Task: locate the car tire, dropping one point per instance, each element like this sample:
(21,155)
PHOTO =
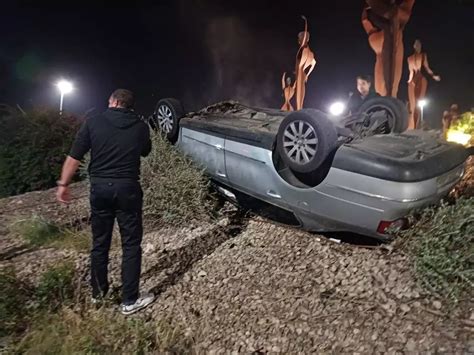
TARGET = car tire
(166,117)
(397,112)
(305,139)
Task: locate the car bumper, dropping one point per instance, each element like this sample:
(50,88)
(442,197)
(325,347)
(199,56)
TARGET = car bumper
(346,201)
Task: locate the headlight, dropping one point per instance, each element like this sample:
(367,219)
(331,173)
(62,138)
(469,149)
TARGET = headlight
(337,108)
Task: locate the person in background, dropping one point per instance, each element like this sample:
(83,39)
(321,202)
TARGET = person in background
(449,117)
(364,92)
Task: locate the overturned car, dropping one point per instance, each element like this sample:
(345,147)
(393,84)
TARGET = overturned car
(361,173)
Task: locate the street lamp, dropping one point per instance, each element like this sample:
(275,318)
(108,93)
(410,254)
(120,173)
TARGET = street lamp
(421,105)
(65,87)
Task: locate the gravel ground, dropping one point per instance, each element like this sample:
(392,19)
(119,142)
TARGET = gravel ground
(274,289)
(40,203)
(167,255)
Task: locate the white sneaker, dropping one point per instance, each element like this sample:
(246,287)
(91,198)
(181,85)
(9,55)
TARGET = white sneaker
(139,304)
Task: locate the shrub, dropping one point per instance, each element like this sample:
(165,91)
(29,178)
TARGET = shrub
(36,230)
(33,146)
(175,190)
(465,123)
(442,246)
(56,287)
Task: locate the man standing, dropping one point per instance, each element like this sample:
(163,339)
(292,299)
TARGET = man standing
(365,92)
(116,139)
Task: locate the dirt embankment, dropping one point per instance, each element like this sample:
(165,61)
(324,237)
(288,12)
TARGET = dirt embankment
(247,285)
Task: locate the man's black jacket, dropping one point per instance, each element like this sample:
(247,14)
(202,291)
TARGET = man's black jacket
(116,138)
(356,101)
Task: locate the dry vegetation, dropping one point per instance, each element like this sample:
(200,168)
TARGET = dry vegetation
(175,190)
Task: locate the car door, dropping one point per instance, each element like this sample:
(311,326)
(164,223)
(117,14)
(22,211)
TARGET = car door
(250,170)
(206,150)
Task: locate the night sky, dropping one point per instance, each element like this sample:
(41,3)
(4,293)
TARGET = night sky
(205,51)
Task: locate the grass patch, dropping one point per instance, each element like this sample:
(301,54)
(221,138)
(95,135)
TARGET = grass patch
(22,305)
(14,299)
(43,320)
(101,331)
(442,246)
(79,240)
(56,287)
(37,231)
(176,191)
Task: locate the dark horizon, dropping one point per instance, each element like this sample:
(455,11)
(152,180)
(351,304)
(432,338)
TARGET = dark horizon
(203,51)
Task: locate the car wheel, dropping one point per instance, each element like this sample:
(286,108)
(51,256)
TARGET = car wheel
(166,118)
(393,110)
(305,139)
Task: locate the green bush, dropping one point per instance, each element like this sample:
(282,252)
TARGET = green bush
(442,246)
(56,287)
(33,146)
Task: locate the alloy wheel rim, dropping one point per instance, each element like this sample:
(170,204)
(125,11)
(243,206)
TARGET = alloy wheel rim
(300,142)
(165,119)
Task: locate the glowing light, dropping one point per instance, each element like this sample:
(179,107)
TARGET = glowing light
(337,108)
(64,86)
(458,137)
(422,103)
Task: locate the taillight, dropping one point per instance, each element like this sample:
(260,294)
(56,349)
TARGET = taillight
(401,223)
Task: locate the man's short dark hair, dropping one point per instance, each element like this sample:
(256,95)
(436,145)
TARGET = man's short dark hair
(124,97)
(367,78)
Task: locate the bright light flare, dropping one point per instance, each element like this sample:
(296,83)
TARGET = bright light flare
(337,108)
(458,137)
(64,86)
(422,103)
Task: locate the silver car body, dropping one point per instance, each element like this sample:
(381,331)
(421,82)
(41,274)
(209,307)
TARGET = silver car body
(343,201)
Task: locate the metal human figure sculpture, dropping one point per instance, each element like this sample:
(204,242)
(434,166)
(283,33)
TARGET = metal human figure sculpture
(288,92)
(305,63)
(384,21)
(417,83)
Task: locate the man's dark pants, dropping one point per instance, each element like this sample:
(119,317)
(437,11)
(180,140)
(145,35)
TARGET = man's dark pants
(121,200)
